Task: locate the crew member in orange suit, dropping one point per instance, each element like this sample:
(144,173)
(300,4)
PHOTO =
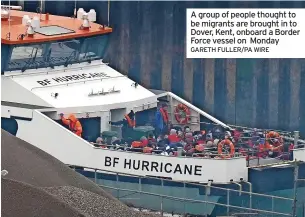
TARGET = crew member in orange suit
(73,123)
(274,143)
(162,120)
(127,123)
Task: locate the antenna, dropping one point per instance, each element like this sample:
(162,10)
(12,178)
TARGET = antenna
(9,20)
(40,8)
(108,11)
(74,9)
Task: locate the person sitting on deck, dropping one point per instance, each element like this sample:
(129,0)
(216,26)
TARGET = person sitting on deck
(162,121)
(189,139)
(151,139)
(100,143)
(118,144)
(173,137)
(73,123)
(186,130)
(127,123)
(274,143)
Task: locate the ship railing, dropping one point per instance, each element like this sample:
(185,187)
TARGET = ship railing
(254,200)
(46,71)
(248,129)
(253,156)
(288,135)
(127,148)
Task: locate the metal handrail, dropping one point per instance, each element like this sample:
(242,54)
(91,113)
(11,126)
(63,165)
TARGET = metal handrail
(117,147)
(186,182)
(211,153)
(55,70)
(197,110)
(247,128)
(195,201)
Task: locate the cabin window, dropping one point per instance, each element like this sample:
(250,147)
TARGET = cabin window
(44,55)
(64,53)
(24,57)
(56,53)
(5,53)
(92,49)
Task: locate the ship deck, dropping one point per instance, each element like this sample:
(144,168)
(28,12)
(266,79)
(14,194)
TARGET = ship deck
(16,28)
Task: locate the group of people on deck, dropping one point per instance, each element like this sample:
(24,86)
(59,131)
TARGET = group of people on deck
(167,139)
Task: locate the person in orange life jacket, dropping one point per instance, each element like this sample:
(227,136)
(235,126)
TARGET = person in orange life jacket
(275,147)
(162,121)
(274,143)
(127,123)
(73,123)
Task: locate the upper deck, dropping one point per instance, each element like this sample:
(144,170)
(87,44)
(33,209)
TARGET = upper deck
(16,28)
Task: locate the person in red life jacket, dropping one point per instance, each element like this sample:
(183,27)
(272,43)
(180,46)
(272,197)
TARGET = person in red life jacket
(189,139)
(291,147)
(180,135)
(200,139)
(262,152)
(162,120)
(190,148)
(236,135)
(73,123)
(127,123)
(173,137)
